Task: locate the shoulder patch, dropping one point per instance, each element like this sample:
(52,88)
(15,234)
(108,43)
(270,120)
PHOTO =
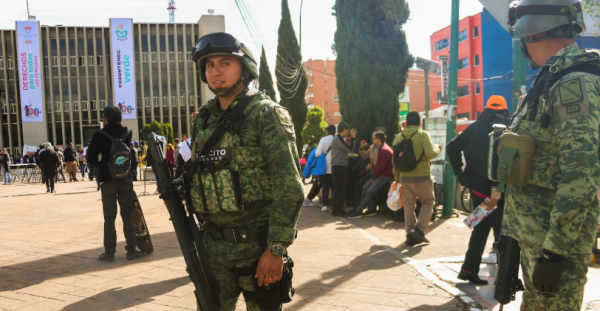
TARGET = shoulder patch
(283,121)
(570,91)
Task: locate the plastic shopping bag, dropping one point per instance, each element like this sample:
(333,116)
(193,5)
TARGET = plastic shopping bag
(394,200)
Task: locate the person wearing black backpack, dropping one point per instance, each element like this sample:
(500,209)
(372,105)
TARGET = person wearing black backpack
(413,151)
(113,161)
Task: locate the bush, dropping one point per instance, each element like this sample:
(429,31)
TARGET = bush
(316,126)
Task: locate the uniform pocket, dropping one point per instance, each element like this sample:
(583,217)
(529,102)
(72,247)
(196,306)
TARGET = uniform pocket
(544,164)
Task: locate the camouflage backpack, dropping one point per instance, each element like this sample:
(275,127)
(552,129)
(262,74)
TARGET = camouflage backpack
(119,160)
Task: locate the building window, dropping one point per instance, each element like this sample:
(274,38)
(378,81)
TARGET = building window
(102,104)
(75,106)
(49,107)
(57,106)
(73,61)
(180,56)
(191,101)
(465,115)
(442,44)
(463,63)
(45,62)
(84,105)
(1,63)
(174,101)
(81,60)
(189,56)
(163,56)
(54,61)
(165,101)
(144,56)
(476,61)
(462,36)
(439,96)
(66,106)
(4,109)
(91,61)
(93,104)
(477,88)
(13,108)
(146,101)
(181,100)
(10,64)
(475,31)
(63,61)
(438,71)
(100,60)
(463,91)
(171,56)
(156,104)
(153,56)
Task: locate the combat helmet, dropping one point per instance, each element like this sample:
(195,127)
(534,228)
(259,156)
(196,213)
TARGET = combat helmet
(221,43)
(553,18)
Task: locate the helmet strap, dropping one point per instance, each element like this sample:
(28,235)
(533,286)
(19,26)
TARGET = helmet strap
(525,52)
(225,91)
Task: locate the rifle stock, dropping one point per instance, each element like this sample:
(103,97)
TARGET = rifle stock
(186,230)
(507,281)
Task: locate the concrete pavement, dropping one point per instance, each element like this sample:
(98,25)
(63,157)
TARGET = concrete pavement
(50,244)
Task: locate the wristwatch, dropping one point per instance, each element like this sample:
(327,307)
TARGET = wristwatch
(277,248)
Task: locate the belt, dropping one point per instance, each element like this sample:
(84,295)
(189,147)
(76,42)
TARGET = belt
(235,235)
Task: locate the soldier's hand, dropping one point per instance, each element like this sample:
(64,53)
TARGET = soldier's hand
(546,276)
(270,269)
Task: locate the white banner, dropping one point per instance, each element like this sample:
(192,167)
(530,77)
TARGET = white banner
(404,97)
(30,71)
(444,60)
(121,38)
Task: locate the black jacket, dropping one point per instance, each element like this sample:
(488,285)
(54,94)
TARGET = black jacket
(48,162)
(70,155)
(102,144)
(474,142)
(4,161)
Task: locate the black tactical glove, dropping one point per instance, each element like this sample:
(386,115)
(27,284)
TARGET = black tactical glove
(547,273)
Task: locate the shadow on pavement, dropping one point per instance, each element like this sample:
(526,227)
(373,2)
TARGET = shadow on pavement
(453,305)
(128,297)
(34,272)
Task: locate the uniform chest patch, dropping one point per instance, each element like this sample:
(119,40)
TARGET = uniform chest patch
(572,108)
(215,155)
(570,92)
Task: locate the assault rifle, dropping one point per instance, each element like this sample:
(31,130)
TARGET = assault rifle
(186,229)
(507,281)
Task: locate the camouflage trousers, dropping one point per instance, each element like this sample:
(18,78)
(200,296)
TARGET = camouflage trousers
(572,283)
(224,258)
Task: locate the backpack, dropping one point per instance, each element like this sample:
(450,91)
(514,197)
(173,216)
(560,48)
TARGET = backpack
(404,155)
(119,161)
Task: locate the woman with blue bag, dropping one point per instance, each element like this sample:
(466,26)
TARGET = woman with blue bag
(319,164)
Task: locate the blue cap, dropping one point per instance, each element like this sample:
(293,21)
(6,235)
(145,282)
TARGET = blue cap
(136,143)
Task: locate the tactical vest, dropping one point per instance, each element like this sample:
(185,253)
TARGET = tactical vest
(231,175)
(528,153)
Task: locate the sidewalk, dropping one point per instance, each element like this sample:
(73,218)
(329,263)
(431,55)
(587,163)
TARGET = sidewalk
(50,244)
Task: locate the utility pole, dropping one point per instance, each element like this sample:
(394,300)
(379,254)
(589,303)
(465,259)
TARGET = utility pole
(519,73)
(451,123)
(301,2)
(427,66)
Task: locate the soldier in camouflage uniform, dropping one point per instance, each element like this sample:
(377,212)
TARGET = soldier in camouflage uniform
(251,195)
(554,215)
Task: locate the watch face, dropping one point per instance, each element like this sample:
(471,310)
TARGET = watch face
(278,249)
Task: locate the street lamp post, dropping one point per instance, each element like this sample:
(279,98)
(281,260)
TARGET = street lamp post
(301,2)
(427,66)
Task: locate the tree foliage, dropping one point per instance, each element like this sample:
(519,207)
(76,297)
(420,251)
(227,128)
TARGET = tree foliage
(265,81)
(316,126)
(372,62)
(289,71)
(592,7)
(165,129)
(146,131)
(168,132)
(156,128)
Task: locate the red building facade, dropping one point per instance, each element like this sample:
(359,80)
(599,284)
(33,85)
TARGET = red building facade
(322,89)
(470,67)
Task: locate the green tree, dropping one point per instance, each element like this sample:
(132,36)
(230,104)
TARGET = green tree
(168,132)
(372,62)
(265,81)
(289,71)
(146,131)
(156,128)
(316,126)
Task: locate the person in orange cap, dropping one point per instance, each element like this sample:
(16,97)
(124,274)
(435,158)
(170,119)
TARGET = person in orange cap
(474,143)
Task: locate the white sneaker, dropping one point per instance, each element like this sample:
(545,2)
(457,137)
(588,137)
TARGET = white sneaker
(307,202)
(324,209)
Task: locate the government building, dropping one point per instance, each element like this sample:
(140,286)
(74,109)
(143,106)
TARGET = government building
(77,82)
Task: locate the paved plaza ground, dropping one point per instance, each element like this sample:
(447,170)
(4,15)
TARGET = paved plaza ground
(49,245)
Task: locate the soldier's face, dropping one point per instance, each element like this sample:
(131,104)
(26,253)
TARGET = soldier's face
(223,71)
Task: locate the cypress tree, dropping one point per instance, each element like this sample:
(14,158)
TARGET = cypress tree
(265,81)
(289,71)
(372,62)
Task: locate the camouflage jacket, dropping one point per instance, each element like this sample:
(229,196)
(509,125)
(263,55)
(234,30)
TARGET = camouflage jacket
(558,208)
(265,149)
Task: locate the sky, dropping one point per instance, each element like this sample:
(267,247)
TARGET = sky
(318,26)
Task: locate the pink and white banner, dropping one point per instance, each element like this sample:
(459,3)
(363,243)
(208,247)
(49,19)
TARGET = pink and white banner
(30,71)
